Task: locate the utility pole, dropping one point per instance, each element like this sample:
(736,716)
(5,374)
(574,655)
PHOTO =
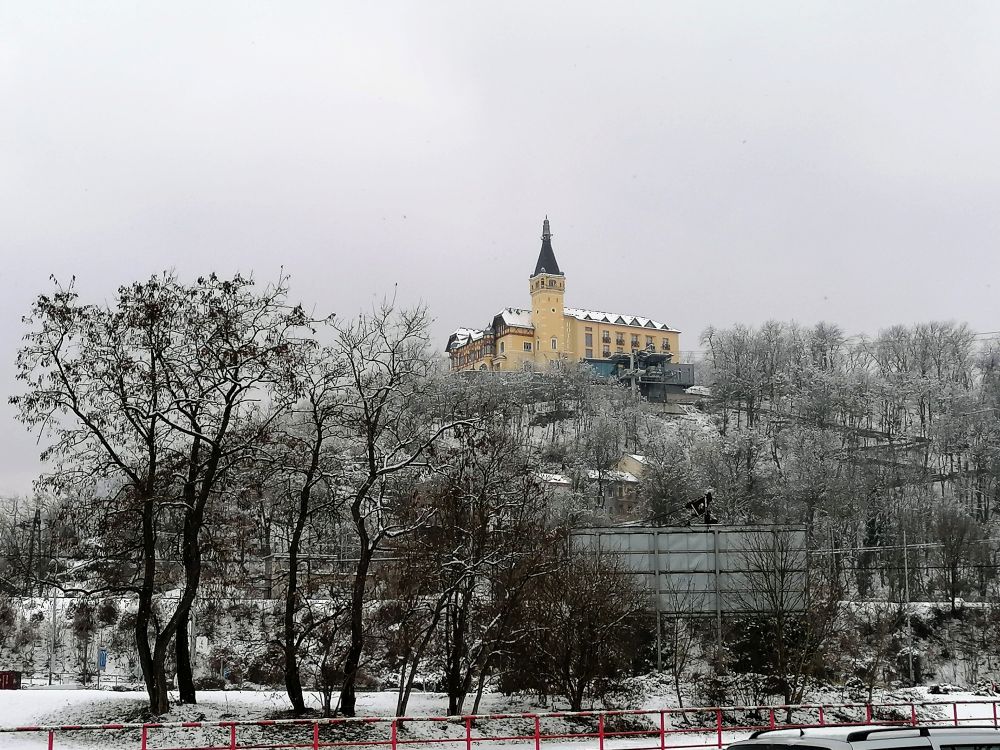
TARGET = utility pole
(909,625)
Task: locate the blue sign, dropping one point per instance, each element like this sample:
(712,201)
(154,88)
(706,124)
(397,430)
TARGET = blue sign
(102,659)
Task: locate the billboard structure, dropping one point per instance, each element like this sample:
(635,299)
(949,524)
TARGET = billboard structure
(710,570)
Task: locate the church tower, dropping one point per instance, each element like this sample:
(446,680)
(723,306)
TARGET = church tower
(548,289)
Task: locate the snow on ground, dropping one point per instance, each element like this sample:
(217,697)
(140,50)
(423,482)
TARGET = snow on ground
(39,706)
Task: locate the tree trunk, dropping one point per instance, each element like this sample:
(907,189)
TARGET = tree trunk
(191,556)
(413,664)
(293,680)
(348,698)
(151,674)
(185,674)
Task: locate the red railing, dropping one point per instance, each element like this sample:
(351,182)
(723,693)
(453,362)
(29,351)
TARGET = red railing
(673,728)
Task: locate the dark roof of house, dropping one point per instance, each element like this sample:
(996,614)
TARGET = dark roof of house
(546,258)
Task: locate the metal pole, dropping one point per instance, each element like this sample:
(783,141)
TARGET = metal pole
(909,625)
(52,628)
(718,596)
(654,539)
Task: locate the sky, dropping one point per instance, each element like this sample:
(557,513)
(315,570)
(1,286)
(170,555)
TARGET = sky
(702,163)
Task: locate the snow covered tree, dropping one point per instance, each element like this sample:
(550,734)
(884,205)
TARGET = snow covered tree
(586,618)
(149,403)
(391,419)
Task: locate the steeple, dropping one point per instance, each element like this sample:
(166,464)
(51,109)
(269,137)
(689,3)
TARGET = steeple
(546,258)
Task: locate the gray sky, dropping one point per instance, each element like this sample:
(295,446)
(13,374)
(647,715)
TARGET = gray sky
(702,163)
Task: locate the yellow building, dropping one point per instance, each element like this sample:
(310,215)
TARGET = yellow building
(549,332)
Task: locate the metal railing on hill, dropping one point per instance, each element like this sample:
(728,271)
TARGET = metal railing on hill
(657,729)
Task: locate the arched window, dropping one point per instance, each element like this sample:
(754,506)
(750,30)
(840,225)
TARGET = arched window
(555,344)
(501,347)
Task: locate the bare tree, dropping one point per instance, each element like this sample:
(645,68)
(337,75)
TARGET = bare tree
(149,403)
(391,423)
(587,620)
(877,625)
(679,632)
(795,622)
(959,535)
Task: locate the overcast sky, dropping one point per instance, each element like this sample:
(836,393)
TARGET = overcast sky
(701,163)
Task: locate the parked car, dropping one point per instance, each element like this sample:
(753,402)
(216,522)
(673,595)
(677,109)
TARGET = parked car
(873,737)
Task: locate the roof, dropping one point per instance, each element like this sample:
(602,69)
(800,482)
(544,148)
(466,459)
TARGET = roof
(612,476)
(514,317)
(560,479)
(617,319)
(546,258)
(463,336)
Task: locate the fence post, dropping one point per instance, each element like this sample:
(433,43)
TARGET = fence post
(770,718)
(145,736)
(663,728)
(718,726)
(995,725)
(232,736)
(954,712)
(316,734)
(52,736)
(468,733)
(913,715)
(868,713)
(600,731)
(538,733)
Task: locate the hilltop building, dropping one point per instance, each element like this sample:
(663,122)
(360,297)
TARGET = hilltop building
(550,332)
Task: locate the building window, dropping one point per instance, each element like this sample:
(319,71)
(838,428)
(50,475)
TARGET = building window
(666,344)
(607,351)
(588,339)
(589,354)
(619,349)
(555,344)
(649,344)
(527,346)
(619,339)
(635,341)
(501,347)
(606,338)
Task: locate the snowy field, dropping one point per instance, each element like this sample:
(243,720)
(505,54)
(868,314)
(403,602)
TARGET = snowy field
(47,707)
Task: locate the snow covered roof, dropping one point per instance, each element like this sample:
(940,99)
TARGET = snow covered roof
(699,390)
(514,317)
(560,479)
(636,457)
(463,336)
(612,476)
(617,319)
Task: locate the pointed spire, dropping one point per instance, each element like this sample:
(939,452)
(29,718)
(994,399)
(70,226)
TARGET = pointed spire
(546,258)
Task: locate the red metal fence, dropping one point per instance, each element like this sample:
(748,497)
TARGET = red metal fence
(671,728)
